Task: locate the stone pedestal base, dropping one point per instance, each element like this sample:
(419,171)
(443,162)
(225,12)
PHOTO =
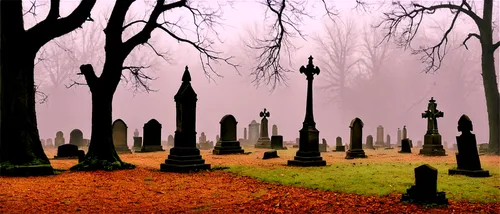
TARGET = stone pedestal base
(470,173)
(413,195)
(122,150)
(263,143)
(228,147)
(358,153)
(152,148)
(340,148)
(184,160)
(307,159)
(432,150)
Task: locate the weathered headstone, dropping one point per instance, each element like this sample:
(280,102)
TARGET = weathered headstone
(170,141)
(76,137)
(48,143)
(398,142)
(203,143)
(253,132)
(323,146)
(308,153)
(120,137)
(68,151)
(356,142)
(275,130)
(369,142)
(59,140)
(338,145)
(184,156)
(270,154)
(432,139)
(152,137)
(425,189)
(137,144)
(136,133)
(388,142)
(468,162)
(379,142)
(277,142)
(405,142)
(264,141)
(228,143)
(245,133)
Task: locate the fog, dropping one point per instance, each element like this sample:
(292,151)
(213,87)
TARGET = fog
(393,96)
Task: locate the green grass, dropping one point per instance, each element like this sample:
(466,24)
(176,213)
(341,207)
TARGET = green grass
(378,179)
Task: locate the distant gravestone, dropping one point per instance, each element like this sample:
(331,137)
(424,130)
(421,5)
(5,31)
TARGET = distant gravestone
(483,148)
(277,142)
(184,156)
(419,144)
(432,139)
(120,137)
(369,142)
(405,142)
(323,146)
(59,140)
(253,132)
(338,145)
(275,130)
(425,189)
(270,154)
(48,143)
(379,142)
(137,144)
(245,134)
(76,137)
(388,140)
(204,144)
(136,133)
(356,141)
(398,142)
(264,141)
(170,140)
(468,162)
(152,137)
(68,151)
(227,143)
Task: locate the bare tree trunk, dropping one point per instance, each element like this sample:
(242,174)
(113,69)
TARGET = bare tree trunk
(492,99)
(21,152)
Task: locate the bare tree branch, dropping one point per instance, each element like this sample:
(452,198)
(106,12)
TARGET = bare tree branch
(464,43)
(495,46)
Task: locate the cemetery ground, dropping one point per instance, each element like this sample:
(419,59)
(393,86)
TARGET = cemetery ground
(248,184)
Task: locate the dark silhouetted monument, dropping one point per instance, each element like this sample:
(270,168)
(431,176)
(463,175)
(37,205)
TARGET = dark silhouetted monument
(228,144)
(308,153)
(264,141)
(468,162)
(152,136)
(59,140)
(184,156)
(137,141)
(356,143)
(432,139)
(338,145)
(120,137)
(405,142)
(76,137)
(425,189)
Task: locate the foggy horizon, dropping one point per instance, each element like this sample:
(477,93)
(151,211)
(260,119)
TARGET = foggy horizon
(392,98)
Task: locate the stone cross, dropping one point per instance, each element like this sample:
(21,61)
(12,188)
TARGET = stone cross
(432,114)
(264,113)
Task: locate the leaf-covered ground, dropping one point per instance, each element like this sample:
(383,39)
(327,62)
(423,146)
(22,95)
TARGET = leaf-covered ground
(146,190)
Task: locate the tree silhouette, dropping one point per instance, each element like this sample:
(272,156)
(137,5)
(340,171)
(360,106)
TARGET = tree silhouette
(404,21)
(20,147)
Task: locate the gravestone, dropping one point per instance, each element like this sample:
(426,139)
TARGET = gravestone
(68,151)
(203,143)
(356,141)
(48,143)
(76,137)
(388,142)
(277,142)
(323,146)
(369,142)
(136,133)
(405,142)
(228,143)
(137,144)
(120,137)
(59,140)
(253,132)
(275,130)
(184,156)
(338,145)
(379,142)
(152,136)
(419,144)
(170,141)
(468,162)
(264,141)
(398,142)
(270,154)
(425,189)
(483,148)
(308,153)
(432,139)
(245,134)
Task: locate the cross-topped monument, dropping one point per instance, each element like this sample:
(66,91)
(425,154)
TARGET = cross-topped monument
(432,114)
(264,141)
(432,139)
(308,153)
